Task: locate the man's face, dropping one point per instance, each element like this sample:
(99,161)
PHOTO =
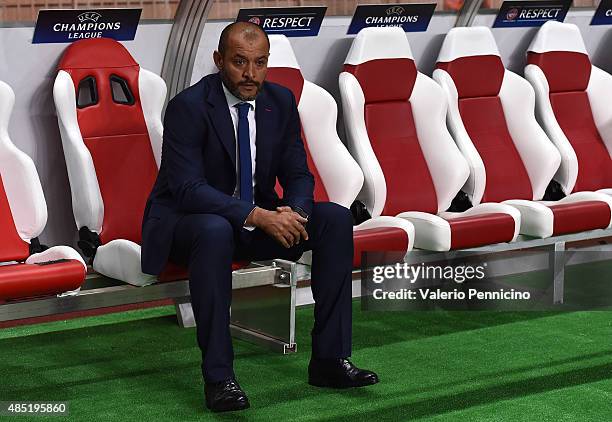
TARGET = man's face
(244,64)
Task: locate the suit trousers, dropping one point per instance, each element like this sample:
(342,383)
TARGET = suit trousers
(207,244)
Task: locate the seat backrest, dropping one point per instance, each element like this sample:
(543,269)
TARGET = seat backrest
(338,177)
(395,121)
(23,211)
(492,119)
(109,112)
(573,105)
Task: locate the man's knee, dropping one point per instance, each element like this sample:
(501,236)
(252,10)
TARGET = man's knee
(337,215)
(213,230)
(332,222)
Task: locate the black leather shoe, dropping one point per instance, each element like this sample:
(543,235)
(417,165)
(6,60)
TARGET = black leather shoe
(338,373)
(225,396)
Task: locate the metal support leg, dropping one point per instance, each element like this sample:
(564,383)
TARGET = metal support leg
(184,312)
(558,272)
(290,276)
(265,314)
(263,306)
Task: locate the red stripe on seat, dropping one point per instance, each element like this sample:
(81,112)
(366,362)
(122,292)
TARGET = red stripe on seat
(475,76)
(174,272)
(481,230)
(568,74)
(30,280)
(12,247)
(293,80)
(320,193)
(385,79)
(381,239)
(565,70)
(289,78)
(387,85)
(573,112)
(485,123)
(393,136)
(580,216)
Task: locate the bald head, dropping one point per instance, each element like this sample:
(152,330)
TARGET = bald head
(246,30)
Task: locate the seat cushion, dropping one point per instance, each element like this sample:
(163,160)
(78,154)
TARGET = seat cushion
(174,272)
(480,230)
(580,216)
(20,281)
(378,239)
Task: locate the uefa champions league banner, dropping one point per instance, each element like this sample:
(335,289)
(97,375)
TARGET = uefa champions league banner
(603,14)
(410,17)
(289,21)
(513,14)
(61,26)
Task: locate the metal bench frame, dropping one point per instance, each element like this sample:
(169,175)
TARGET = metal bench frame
(269,320)
(557,245)
(265,295)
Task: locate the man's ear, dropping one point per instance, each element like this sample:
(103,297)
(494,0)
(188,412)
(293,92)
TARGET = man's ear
(218,60)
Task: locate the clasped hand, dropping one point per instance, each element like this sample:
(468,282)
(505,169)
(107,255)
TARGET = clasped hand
(284,225)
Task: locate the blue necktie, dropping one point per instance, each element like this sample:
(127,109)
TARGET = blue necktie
(244,151)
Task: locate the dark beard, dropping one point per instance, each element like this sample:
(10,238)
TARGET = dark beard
(233,88)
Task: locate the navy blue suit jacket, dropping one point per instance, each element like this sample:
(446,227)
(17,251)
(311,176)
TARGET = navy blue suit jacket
(198,166)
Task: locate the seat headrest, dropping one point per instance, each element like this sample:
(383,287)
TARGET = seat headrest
(7,100)
(558,49)
(108,54)
(472,51)
(558,36)
(379,43)
(381,60)
(281,53)
(468,42)
(283,67)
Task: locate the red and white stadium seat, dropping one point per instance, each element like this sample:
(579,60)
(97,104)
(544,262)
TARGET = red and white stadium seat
(338,177)
(395,121)
(491,117)
(573,106)
(25,271)
(109,112)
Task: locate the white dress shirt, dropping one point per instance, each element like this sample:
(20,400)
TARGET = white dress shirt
(231,103)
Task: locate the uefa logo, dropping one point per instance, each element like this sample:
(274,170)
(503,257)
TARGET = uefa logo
(255,20)
(89,16)
(395,10)
(512,14)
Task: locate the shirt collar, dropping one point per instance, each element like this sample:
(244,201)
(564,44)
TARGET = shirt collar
(232,100)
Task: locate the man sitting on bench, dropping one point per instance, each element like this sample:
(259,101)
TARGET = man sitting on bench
(226,141)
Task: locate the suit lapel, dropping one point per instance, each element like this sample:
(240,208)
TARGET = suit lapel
(264,119)
(221,119)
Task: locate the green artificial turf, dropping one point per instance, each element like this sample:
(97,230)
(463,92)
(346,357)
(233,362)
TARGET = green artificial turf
(437,366)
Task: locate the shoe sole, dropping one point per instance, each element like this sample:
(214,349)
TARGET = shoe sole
(229,409)
(326,384)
